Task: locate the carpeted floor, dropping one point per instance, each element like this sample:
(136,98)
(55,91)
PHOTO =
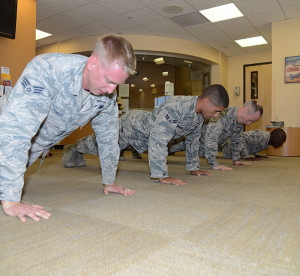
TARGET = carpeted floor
(240,222)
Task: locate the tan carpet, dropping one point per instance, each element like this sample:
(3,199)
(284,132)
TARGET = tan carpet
(243,222)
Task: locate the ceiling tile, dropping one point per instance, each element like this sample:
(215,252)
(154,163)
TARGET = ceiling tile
(266,32)
(121,7)
(204,4)
(60,22)
(144,16)
(137,30)
(151,2)
(237,28)
(185,6)
(288,3)
(52,25)
(264,18)
(95,28)
(292,11)
(162,26)
(64,5)
(189,19)
(46,8)
(256,6)
(205,31)
(182,34)
(117,23)
(92,12)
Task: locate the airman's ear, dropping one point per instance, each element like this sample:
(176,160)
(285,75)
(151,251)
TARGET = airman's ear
(92,63)
(206,101)
(248,110)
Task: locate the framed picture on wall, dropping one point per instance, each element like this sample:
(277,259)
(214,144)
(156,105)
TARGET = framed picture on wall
(254,85)
(292,69)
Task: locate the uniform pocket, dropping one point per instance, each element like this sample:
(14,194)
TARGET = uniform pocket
(56,122)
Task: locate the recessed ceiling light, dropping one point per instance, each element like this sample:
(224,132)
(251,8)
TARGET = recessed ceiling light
(152,85)
(188,61)
(251,41)
(132,85)
(141,90)
(159,60)
(220,13)
(165,74)
(40,34)
(145,79)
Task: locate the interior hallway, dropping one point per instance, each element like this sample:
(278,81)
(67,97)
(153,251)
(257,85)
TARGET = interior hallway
(243,222)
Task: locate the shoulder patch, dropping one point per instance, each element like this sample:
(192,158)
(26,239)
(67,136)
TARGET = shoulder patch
(169,120)
(30,89)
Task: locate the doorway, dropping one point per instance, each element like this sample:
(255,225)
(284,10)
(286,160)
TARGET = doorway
(258,86)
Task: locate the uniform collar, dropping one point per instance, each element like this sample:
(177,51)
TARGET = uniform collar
(77,88)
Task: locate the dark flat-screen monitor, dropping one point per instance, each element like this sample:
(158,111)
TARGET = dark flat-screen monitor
(8,18)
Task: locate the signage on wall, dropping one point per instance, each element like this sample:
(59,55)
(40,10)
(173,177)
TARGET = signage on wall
(124,90)
(169,88)
(292,69)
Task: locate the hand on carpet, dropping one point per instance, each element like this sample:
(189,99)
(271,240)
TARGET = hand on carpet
(199,172)
(20,210)
(113,188)
(241,163)
(172,180)
(222,168)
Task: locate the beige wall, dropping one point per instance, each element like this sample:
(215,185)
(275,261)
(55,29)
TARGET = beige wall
(16,53)
(285,96)
(235,73)
(154,44)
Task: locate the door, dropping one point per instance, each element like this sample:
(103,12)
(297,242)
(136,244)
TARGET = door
(258,86)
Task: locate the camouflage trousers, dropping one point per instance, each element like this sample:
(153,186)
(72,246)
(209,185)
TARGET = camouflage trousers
(177,145)
(88,145)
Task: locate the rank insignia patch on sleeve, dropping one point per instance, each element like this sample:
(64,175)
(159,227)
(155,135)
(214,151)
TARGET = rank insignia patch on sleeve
(170,120)
(30,89)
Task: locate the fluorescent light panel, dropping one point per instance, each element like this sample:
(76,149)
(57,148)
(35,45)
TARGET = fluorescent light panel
(221,13)
(251,41)
(40,34)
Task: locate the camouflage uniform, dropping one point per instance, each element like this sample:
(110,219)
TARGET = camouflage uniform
(252,142)
(177,145)
(216,133)
(152,131)
(87,144)
(46,105)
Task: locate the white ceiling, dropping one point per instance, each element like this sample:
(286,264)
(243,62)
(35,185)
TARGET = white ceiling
(67,19)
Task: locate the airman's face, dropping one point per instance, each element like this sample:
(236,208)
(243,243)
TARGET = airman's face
(211,111)
(247,118)
(103,77)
